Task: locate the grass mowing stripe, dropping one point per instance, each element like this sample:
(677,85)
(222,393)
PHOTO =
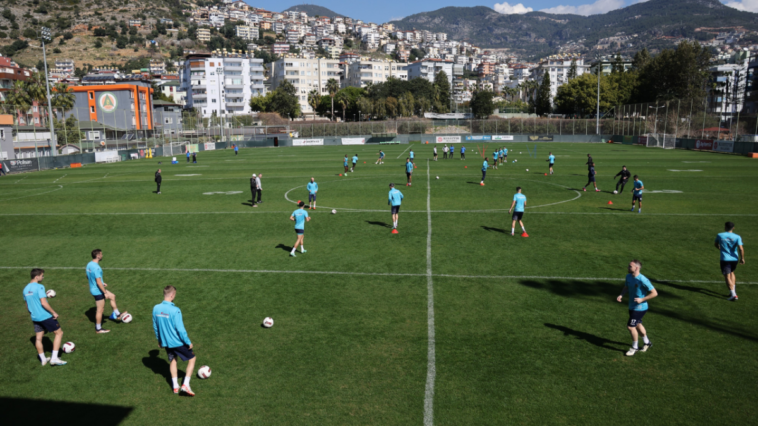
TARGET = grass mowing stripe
(431,368)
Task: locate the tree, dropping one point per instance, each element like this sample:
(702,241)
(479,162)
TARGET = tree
(342,100)
(481,103)
(390,105)
(67,131)
(284,100)
(63,98)
(98,44)
(618,65)
(641,59)
(542,102)
(261,103)
(675,74)
(18,98)
(572,71)
(579,96)
(314,99)
(365,106)
(36,86)
(442,95)
(332,86)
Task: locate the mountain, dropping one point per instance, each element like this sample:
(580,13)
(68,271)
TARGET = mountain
(314,10)
(537,33)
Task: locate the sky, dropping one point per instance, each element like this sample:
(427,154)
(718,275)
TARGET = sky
(387,10)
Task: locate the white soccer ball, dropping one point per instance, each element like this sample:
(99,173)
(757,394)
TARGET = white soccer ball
(68,347)
(204,372)
(527,170)
(615,192)
(51,293)
(268,322)
(519,153)
(334,211)
(127,318)
(515,161)
(438,177)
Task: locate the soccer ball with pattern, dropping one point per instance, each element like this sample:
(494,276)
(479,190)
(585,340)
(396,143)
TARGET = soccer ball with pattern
(615,192)
(68,347)
(126,318)
(268,322)
(51,293)
(334,211)
(204,372)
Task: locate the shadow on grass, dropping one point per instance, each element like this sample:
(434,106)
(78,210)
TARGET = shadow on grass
(18,411)
(91,314)
(487,228)
(47,344)
(573,288)
(247,204)
(703,291)
(382,224)
(473,183)
(590,338)
(614,209)
(285,248)
(160,366)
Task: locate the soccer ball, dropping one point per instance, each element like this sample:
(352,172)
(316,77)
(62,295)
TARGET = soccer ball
(527,170)
(51,293)
(615,192)
(519,153)
(438,177)
(515,161)
(204,372)
(126,318)
(268,322)
(68,347)
(334,211)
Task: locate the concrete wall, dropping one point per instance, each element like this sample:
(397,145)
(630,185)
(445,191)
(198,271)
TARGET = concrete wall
(6,143)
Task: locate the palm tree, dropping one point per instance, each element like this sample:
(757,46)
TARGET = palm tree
(37,89)
(63,98)
(18,98)
(313,100)
(332,86)
(343,100)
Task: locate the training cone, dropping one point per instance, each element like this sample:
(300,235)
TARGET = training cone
(545,174)
(414,167)
(610,202)
(465,167)
(364,162)
(340,174)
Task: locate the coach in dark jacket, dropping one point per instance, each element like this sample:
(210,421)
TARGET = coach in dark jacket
(253,189)
(158,180)
(625,175)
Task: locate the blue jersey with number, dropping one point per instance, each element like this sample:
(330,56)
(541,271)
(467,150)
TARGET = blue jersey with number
(300,216)
(520,200)
(729,244)
(33,294)
(639,287)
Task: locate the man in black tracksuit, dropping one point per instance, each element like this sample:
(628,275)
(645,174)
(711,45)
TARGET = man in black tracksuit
(589,163)
(158,180)
(253,189)
(625,175)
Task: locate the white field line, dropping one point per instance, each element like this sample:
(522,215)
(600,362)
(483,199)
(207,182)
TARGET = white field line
(21,179)
(341,210)
(59,187)
(406,149)
(383,274)
(56,180)
(431,368)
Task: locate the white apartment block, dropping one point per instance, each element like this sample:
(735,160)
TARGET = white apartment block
(362,72)
(292,37)
(246,33)
(305,75)
(429,68)
(65,66)
(441,36)
(371,40)
(203,34)
(278,27)
(222,84)
(558,66)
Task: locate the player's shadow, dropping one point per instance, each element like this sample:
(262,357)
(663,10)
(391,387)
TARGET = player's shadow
(160,366)
(614,209)
(704,291)
(473,183)
(382,224)
(47,344)
(571,288)
(590,338)
(487,228)
(91,314)
(17,411)
(250,204)
(285,248)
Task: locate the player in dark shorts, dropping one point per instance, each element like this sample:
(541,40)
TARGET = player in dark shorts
(625,175)
(408,171)
(591,180)
(732,253)
(640,291)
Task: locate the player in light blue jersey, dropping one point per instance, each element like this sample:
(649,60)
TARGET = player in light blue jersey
(312,190)
(463,153)
(355,161)
(518,205)
(551,161)
(344,163)
(168,325)
(44,317)
(494,159)
(98,291)
(505,155)
(412,155)
(640,291)
(501,156)
(452,151)
(637,193)
(299,216)
(730,243)
(409,171)
(395,200)
(380,160)
(485,165)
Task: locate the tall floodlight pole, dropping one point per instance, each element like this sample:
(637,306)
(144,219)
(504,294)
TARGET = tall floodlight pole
(53,144)
(219,73)
(597,125)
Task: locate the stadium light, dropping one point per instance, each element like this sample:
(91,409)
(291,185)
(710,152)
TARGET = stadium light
(44,35)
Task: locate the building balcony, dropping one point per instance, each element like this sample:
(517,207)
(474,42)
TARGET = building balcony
(234,86)
(232,67)
(199,96)
(236,103)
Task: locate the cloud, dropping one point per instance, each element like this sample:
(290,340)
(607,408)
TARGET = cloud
(507,9)
(744,5)
(600,6)
(397,18)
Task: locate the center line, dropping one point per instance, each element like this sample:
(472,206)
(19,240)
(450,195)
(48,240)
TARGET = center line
(431,369)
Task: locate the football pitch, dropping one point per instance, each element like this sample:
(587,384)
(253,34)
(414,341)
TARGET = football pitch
(452,321)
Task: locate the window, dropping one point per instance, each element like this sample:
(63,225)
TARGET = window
(92,109)
(2,134)
(91,95)
(169,120)
(213,101)
(134,121)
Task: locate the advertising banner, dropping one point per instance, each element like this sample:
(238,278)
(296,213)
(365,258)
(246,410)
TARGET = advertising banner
(641,140)
(20,165)
(353,141)
(723,146)
(307,142)
(542,138)
(479,138)
(210,146)
(107,156)
(502,137)
(447,139)
(193,147)
(704,144)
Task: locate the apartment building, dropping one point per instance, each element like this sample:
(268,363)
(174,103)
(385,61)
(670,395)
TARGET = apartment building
(559,66)
(305,75)
(364,71)
(222,83)
(280,48)
(246,32)
(292,36)
(203,34)
(429,68)
(65,66)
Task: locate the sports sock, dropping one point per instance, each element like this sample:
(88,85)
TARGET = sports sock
(635,345)
(733,291)
(646,340)
(513,230)
(41,357)
(293,250)
(302,248)
(98,327)
(55,355)
(523,229)
(639,209)
(176,382)
(186,380)
(115,311)
(394,224)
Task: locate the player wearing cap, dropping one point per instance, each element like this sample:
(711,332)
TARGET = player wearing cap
(408,171)
(312,190)
(640,291)
(518,204)
(729,242)
(98,291)
(171,334)
(637,193)
(299,216)
(345,164)
(484,171)
(44,317)
(551,161)
(395,199)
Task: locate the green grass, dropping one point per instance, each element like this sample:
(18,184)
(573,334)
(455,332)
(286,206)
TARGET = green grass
(520,337)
